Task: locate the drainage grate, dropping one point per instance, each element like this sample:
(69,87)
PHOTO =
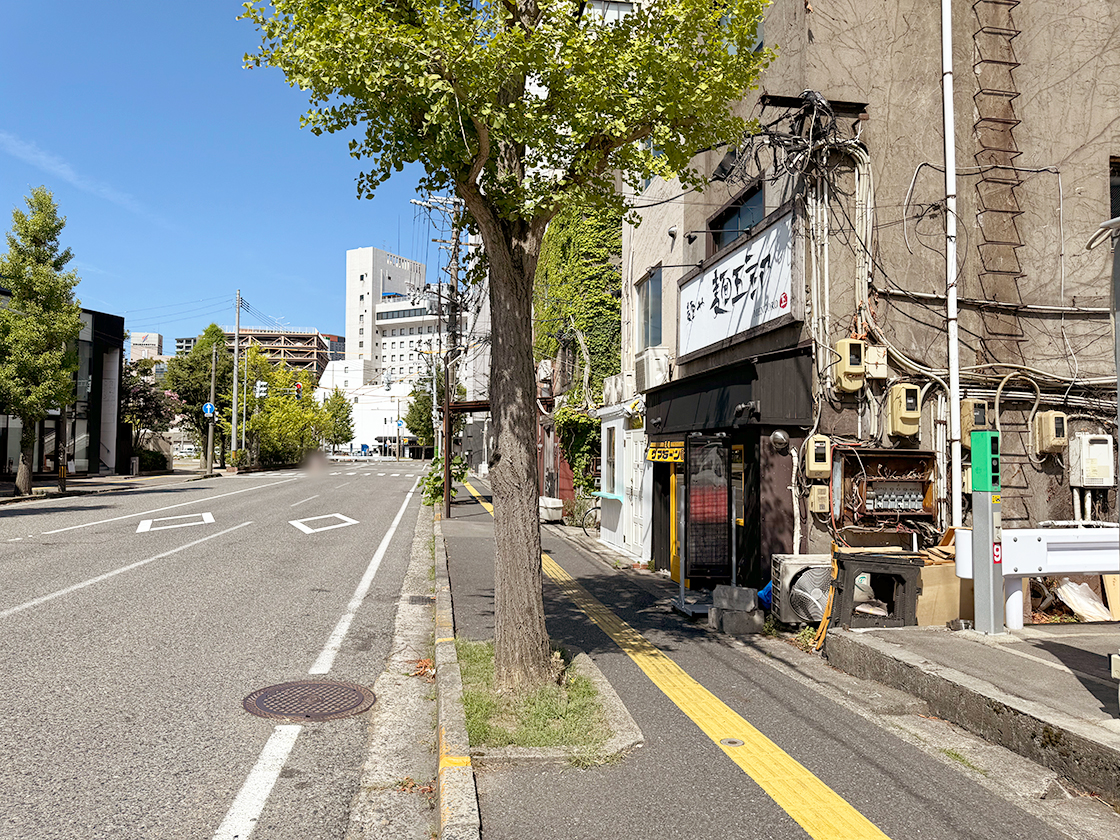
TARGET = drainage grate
(420,599)
(309,700)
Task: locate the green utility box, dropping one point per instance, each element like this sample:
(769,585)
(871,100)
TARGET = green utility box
(985,462)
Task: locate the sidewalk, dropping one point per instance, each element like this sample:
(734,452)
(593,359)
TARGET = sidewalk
(83,485)
(1044,692)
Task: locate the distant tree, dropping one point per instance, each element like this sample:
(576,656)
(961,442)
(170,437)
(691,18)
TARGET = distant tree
(283,429)
(39,326)
(418,418)
(189,377)
(340,419)
(144,404)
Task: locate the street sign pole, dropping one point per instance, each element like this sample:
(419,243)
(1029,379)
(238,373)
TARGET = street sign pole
(987,534)
(210,428)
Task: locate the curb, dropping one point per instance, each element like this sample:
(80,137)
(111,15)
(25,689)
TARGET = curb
(1087,754)
(458,798)
(627,735)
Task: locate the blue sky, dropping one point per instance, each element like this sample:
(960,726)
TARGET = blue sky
(182,175)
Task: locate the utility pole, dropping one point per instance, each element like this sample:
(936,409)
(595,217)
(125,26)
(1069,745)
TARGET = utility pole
(453,207)
(236,345)
(210,429)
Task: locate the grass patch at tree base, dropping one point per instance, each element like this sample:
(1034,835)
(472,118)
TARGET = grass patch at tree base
(565,714)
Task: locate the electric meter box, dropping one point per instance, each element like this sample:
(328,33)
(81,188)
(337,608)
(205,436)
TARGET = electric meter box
(905,410)
(818,457)
(1091,461)
(975,416)
(818,498)
(849,371)
(875,362)
(1051,431)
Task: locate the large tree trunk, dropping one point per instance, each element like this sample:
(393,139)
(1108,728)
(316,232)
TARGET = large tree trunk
(521,648)
(26,453)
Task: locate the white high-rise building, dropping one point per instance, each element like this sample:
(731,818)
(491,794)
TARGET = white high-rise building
(373,275)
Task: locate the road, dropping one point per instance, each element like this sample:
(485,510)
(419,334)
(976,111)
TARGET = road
(135,623)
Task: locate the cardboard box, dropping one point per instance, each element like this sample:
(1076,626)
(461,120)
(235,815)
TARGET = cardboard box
(944,596)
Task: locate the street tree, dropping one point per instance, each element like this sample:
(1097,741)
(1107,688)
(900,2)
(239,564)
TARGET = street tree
(189,377)
(340,419)
(39,324)
(522,107)
(145,405)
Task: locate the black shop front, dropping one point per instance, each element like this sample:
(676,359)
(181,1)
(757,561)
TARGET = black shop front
(709,491)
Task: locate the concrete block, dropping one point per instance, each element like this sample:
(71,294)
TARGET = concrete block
(735,598)
(742,622)
(713,617)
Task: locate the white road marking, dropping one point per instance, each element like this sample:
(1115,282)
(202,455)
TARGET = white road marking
(334,473)
(307,529)
(394,475)
(338,635)
(149,524)
(169,507)
(381,473)
(43,599)
(344,484)
(246,808)
(301,501)
(15,539)
(351,473)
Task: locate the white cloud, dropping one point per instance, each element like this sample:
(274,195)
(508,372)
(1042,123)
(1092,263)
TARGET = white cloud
(59,168)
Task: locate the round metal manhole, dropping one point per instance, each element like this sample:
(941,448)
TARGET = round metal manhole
(731,742)
(309,700)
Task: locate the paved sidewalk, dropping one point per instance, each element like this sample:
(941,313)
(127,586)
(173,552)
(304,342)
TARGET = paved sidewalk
(675,786)
(81,485)
(1045,691)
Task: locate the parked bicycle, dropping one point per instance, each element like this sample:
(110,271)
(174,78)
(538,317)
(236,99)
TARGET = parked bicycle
(592,520)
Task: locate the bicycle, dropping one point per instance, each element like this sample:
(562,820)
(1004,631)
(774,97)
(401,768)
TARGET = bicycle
(592,519)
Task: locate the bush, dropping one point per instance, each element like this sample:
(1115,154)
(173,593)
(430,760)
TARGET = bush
(433,481)
(151,461)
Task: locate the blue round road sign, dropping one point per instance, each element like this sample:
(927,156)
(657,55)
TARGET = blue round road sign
(208,409)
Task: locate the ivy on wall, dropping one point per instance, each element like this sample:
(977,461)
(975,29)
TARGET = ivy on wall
(579,436)
(579,283)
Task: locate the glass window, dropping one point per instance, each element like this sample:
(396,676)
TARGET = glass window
(361,331)
(361,319)
(608,461)
(360,344)
(649,310)
(738,219)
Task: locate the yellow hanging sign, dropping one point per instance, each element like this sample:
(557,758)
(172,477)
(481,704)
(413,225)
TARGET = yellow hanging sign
(666,451)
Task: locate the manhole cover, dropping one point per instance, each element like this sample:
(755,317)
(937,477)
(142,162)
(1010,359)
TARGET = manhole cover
(309,700)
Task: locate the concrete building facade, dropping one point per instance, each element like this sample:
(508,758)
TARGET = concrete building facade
(790,324)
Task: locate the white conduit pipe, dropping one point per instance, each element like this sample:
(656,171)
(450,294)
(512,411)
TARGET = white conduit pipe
(796,503)
(950,135)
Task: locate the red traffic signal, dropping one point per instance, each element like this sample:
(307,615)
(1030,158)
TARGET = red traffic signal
(299,390)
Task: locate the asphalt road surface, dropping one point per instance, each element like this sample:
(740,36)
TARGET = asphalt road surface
(134,624)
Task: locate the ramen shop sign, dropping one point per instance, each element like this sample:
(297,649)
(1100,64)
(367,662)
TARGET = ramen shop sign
(747,289)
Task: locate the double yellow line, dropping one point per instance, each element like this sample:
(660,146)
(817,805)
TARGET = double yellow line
(818,809)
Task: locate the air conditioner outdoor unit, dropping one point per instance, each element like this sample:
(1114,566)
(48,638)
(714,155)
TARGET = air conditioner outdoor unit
(800,586)
(651,368)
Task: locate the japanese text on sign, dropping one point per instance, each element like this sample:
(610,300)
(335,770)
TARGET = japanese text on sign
(746,289)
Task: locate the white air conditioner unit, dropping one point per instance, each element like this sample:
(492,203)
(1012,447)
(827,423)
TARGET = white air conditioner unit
(651,368)
(800,586)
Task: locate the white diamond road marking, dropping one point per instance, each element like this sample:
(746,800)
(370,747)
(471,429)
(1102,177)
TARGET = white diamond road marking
(149,524)
(307,529)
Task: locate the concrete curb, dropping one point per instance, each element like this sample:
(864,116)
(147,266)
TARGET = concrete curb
(627,736)
(458,797)
(1087,754)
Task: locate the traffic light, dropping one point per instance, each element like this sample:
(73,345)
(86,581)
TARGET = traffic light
(299,390)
